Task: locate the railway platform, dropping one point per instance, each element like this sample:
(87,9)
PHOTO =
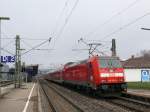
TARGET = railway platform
(6,89)
(139,92)
(22,99)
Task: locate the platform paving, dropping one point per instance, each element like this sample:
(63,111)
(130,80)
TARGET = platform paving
(139,92)
(17,100)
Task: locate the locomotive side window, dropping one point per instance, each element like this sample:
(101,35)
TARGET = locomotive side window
(109,63)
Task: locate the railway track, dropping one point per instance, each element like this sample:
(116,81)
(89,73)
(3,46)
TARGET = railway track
(130,104)
(47,104)
(87,104)
(90,104)
(136,97)
(57,101)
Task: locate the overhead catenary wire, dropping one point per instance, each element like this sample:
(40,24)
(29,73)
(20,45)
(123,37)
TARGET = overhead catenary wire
(9,43)
(7,38)
(66,21)
(5,50)
(111,18)
(27,44)
(102,41)
(60,15)
(126,25)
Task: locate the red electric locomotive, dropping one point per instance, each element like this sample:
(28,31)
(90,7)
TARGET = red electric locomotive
(103,74)
(96,74)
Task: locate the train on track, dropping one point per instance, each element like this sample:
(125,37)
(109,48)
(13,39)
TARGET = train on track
(103,75)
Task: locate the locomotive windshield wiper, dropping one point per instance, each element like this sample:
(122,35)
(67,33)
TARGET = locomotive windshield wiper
(110,64)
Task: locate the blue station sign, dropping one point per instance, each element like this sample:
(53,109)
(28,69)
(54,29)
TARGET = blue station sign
(7,59)
(145,75)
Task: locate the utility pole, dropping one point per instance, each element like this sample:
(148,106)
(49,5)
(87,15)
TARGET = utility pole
(113,49)
(1,18)
(18,77)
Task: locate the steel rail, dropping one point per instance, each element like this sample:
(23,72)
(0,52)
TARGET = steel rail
(120,101)
(64,97)
(135,101)
(49,101)
(136,97)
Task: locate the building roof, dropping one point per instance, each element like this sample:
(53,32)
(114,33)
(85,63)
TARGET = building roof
(32,65)
(138,62)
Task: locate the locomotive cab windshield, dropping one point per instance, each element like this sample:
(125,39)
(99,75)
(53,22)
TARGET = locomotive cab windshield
(110,63)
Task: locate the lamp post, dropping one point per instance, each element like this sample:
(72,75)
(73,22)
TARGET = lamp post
(145,28)
(1,18)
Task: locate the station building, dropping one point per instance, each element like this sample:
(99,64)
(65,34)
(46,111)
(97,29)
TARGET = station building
(137,69)
(31,70)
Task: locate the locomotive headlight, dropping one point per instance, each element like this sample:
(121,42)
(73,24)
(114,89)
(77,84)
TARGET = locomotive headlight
(104,75)
(119,74)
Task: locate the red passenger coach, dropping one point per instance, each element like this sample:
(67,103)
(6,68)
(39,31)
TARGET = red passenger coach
(55,76)
(76,73)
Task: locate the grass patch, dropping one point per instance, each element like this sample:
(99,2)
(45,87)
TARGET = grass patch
(139,85)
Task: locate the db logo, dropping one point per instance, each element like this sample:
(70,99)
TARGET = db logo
(7,59)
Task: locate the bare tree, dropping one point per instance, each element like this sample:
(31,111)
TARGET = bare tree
(145,53)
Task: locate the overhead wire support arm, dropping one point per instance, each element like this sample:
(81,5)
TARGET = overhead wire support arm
(79,49)
(92,46)
(81,39)
(33,48)
(44,49)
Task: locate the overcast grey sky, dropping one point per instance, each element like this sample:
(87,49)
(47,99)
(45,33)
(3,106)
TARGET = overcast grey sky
(42,19)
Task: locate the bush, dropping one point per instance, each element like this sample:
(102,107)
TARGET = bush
(139,85)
